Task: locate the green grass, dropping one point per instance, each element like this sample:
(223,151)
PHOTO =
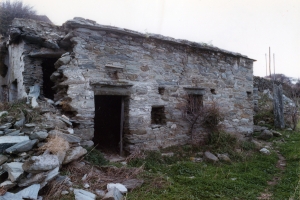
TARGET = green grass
(177,177)
(95,157)
(286,187)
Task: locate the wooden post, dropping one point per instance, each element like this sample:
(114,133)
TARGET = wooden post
(274,64)
(121,126)
(270,61)
(266,66)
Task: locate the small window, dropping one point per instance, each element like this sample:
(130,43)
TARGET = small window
(158,115)
(195,103)
(249,94)
(161,90)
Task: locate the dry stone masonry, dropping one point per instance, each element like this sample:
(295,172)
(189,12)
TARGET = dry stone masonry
(145,78)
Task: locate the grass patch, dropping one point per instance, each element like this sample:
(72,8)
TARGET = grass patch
(177,177)
(95,157)
(288,186)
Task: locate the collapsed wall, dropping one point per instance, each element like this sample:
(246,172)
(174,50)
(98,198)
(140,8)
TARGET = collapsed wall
(151,73)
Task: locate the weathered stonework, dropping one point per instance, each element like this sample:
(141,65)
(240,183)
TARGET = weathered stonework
(148,70)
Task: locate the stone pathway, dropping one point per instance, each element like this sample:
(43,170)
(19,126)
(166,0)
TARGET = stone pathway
(281,164)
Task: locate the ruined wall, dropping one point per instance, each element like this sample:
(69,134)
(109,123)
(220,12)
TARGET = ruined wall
(30,43)
(152,71)
(108,57)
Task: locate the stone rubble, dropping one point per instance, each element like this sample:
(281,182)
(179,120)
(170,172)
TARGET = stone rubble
(27,167)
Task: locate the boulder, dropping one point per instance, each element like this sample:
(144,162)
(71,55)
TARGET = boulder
(40,135)
(83,195)
(38,164)
(74,153)
(265,135)
(21,147)
(14,170)
(210,157)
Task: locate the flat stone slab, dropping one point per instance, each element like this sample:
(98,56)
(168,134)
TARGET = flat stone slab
(21,147)
(68,137)
(38,164)
(83,195)
(30,192)
(34,179)
(73,154)
(40,135)
(14,170)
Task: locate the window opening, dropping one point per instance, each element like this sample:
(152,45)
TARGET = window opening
(158,115)
(161,90)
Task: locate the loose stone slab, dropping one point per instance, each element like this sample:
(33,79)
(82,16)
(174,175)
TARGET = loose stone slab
(30,192)
(5,126)
(210,157)
(34,179)
(37,164)
(74,154)
(68,137)
(40,135)
(14,133)
(113,194)
(83,195)
(14,170)
(11,196)
(21,147)
(119,186)
(8,141)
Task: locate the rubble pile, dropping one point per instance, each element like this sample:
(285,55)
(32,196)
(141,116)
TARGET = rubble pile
(33,152)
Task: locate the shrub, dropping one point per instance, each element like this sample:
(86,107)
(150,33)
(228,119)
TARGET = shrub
(207,116)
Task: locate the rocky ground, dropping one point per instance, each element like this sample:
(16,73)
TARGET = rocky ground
(36,144)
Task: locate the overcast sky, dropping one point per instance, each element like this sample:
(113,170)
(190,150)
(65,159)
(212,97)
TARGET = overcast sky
(249,27)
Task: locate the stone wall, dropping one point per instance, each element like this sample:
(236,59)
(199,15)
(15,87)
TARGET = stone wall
(264,84)
(151,71)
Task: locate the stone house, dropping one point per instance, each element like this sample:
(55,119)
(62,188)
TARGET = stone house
(122,88)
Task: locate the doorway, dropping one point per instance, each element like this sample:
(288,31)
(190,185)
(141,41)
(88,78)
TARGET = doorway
(109,118)
(48,69)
